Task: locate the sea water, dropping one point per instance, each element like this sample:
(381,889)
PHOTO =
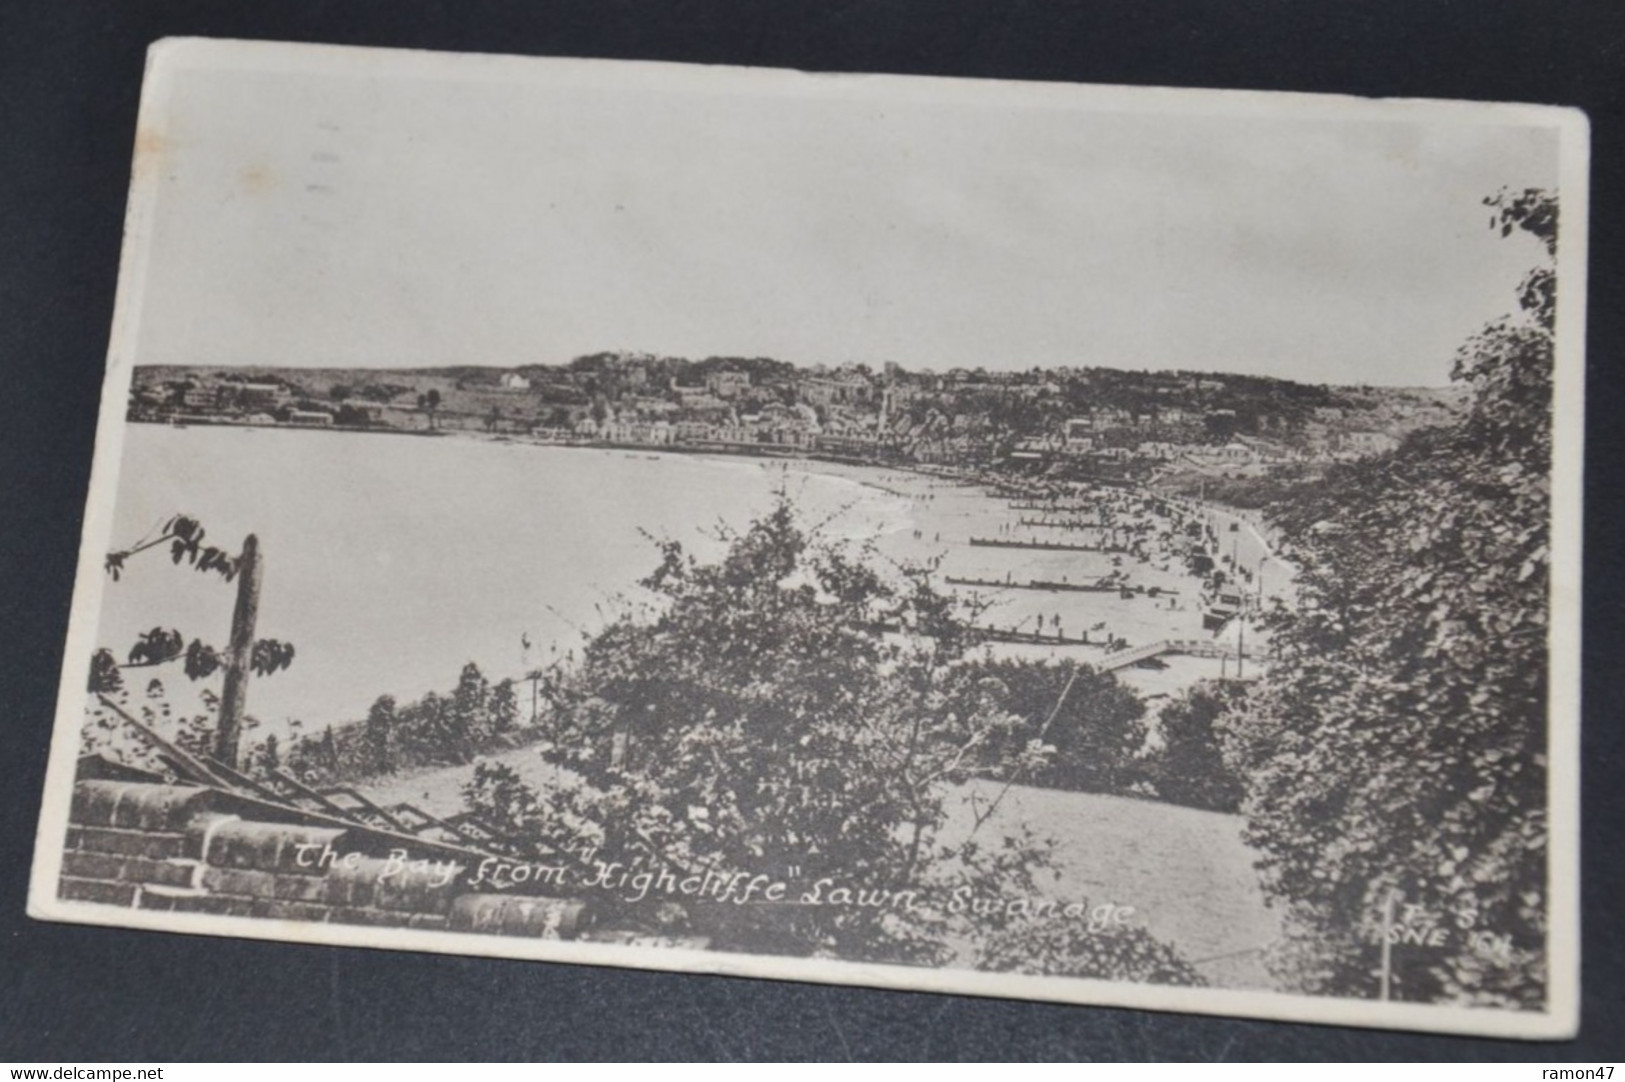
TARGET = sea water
(391,560)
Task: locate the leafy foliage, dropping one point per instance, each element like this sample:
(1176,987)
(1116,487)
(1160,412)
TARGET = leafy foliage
(435,730)
(507,802)
(1189,768)
(1397,749)
(1090,722)
(792,711)
(200,660)
(1058,947)
(269,656)
(429,402)
(157,646)
(105,733)
(185,538)
(105,677)
(787,709)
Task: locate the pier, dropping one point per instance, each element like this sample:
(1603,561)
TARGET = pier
(1133,655)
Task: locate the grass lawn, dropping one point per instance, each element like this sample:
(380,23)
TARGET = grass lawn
(1186,872)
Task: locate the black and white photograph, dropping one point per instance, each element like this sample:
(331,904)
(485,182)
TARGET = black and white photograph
(1077,543)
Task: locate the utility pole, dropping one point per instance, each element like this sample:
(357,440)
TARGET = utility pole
(1241,638)
(239,655)
(1386,972)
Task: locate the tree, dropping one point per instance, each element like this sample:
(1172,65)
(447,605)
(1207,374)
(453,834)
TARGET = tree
(470,713)
(435,730)
(270,755)
(429,402)
(788,711)
(185,538)
(380,730)
(1090,719)
(1190,768)
(1395,753)
(352,415)
(104,673)
(503,707)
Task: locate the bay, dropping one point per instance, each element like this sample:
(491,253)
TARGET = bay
(391,560)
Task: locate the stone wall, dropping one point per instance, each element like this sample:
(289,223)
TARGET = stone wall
(192,849)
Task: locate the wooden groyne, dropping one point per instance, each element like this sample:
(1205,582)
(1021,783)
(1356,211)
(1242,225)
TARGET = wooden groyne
(1061,524)
(1037,638)
(1047,546)
(1057,508)
(1097,587)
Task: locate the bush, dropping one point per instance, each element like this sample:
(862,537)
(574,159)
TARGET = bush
(1395,752)
(1063,947)
(1189,768)
(435,730)
(1091,720)
(787,711)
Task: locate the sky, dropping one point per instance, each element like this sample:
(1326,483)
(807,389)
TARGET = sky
(376,209)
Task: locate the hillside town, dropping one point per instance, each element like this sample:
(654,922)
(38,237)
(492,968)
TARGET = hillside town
(1071,422)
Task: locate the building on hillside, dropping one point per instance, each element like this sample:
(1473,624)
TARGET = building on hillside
(649,433)
(727,383)
(692,431)
(699,398)
(835,391)
(513,381)
(1079,435)
(1265,450)
(1032,447)
(1368,443)
(649,406)
(1157,450)
(209,397)
(261,396)
(858,445)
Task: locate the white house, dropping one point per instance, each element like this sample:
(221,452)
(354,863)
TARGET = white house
(1080,435)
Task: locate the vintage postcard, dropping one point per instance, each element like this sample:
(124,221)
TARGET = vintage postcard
(1095,544)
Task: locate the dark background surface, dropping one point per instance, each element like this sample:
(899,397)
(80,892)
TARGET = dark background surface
(69,82)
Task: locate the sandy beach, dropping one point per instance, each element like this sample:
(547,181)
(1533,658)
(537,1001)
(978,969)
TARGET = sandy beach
(944,516)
